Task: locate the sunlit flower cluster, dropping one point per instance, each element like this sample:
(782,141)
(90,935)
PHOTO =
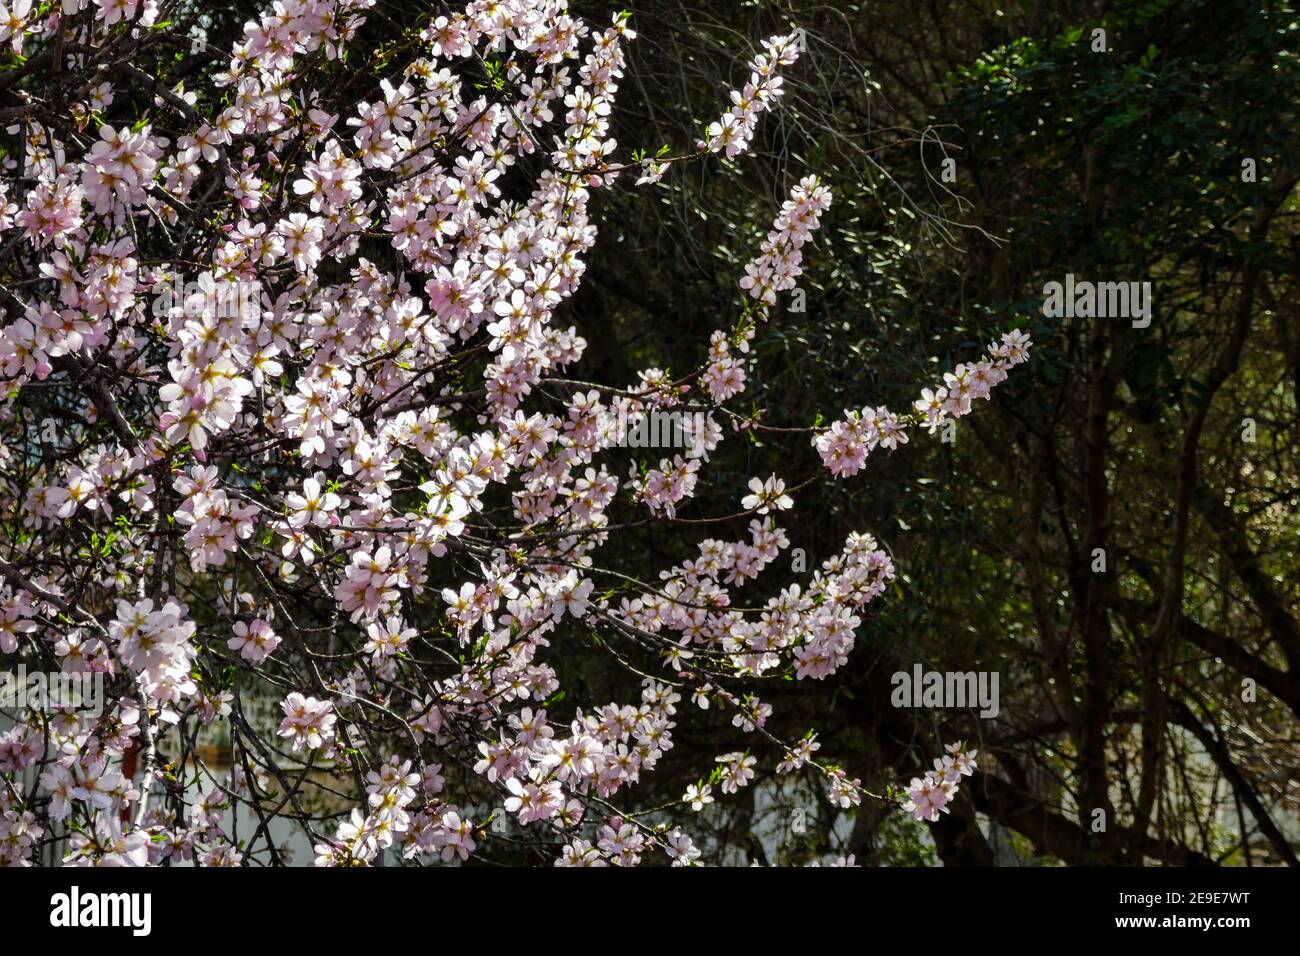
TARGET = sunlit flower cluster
(844,447)
(930,795)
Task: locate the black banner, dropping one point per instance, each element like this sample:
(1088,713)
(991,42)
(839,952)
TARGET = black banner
(334,906)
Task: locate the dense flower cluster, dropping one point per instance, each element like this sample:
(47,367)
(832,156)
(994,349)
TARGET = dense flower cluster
(930,795)
(360,488)
(845,445)
(777,265)
(735,129)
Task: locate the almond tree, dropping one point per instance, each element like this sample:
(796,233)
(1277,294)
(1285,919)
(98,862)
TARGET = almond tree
(293,411)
